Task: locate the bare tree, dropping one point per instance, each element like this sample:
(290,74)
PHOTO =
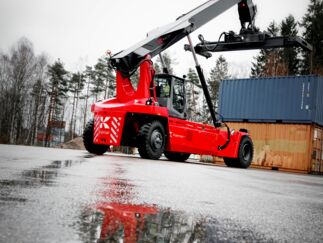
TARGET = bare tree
(39,100)
(76,85)
(22,67)
(22,98)
(5,99)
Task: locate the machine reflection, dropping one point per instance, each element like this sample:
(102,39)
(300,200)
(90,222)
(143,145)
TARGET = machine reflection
(116,218)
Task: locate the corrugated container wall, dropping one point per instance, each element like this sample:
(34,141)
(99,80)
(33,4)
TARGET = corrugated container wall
(283,146)
(292,147)
(295,99)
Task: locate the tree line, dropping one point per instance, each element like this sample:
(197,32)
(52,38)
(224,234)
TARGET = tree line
(35,95)
(294,61)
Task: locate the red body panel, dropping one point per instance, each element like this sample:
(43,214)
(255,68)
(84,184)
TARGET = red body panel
(196,138)
(107,128)
(182,135)
(109,117)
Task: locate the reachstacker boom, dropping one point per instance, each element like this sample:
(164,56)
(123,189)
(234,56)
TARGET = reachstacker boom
(152,117)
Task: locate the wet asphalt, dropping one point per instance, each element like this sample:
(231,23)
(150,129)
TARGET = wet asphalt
(55,195)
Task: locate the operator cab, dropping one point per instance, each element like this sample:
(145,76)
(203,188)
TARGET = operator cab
(170,92)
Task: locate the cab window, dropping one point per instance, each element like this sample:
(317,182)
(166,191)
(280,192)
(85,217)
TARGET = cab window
(178,95)
(163,87)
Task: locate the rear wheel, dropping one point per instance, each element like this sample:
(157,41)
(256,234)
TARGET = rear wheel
(88,140)
(176,156)
(151,140)
(230,162)
(245,154)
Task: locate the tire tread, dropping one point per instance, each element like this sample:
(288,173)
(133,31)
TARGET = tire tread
(88,140)
(144,148)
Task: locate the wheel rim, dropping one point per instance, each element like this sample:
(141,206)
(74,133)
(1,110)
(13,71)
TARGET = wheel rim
(156,140)
(246,152)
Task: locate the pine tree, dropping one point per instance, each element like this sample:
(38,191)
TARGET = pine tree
(89,76)
(312,24)
(96,85)
(192,95)
(267,61)
(290,54)
(257,69)
(76,85)
(58,87)
(104,81)
(218,73)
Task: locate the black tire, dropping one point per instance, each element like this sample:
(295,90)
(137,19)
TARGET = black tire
(151,140)
(176,156)
(230,162)
(88,140)
(245,154)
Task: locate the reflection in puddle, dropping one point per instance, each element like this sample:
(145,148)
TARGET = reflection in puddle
(116,219)
(12,199)
(139,223)
(123,221)
(114,222)
(45,175)
(42,176)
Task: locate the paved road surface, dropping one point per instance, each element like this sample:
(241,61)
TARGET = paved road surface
(54,195)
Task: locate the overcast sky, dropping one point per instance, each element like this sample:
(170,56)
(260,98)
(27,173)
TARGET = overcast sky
(80,31)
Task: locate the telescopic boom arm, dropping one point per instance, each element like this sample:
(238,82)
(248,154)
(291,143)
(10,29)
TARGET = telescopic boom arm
(161,38)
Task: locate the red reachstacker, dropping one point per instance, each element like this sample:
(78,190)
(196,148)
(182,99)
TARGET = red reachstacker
(152,117)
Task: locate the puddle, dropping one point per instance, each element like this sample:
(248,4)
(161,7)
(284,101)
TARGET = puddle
(115,218)
(12,199)
(46,175)
(129,223)
(41,176)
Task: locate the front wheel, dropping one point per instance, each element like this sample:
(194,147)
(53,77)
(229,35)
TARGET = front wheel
(176,156)
(245,154)
(151,140)
(88,140)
